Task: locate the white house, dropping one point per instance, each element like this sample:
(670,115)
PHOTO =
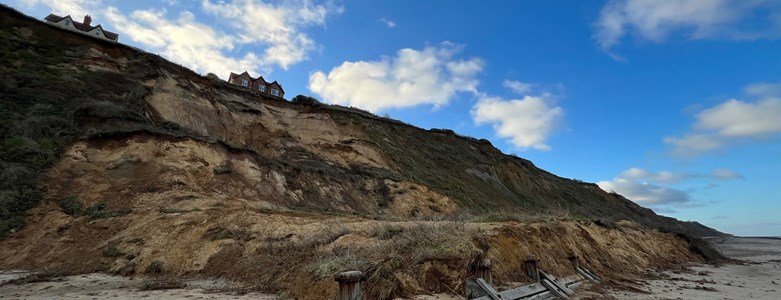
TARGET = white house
(82,27)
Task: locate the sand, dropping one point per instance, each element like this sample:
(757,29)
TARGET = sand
(756,276)
(101,286)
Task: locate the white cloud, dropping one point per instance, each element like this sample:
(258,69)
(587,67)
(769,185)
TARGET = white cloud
(75,8)
(388,22)
(655,20)
(645,193)
(517,86)
(725,174)
(731,122)
(184,41)
(674,177)
(644,187)
(764,89)
(527,122)
(431,76)
(276,26)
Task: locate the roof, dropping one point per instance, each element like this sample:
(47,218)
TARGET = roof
(81,26)
(234,75)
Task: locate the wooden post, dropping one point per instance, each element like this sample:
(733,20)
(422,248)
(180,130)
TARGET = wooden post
(573,260)
(531,264)
(483,270)
(349,285)
(480,268)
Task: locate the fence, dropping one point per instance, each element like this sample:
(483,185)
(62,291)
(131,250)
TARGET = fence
(480,286)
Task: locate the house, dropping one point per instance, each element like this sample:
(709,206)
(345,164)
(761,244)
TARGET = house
(257,84)
(82,27)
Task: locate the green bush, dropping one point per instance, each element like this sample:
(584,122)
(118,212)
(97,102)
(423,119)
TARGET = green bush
(71,205)
(112,251)
(305,100)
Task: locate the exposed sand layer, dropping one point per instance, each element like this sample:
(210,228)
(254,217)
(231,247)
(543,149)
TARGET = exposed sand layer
(757,275)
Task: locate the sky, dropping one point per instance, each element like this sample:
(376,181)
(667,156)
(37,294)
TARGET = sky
(675,104)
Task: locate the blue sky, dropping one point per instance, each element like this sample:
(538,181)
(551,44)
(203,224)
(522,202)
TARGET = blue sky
(675,104)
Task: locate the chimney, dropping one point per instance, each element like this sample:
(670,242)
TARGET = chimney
(87,20)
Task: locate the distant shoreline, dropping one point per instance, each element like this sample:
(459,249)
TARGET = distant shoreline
(761,237)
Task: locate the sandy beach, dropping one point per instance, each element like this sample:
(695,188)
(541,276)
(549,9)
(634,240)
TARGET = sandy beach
(756,275)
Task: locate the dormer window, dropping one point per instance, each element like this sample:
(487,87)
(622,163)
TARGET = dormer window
(275,92)
(244,82)
(262,88)
(67,22)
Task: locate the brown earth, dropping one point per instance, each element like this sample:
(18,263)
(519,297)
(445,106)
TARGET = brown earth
(120,161)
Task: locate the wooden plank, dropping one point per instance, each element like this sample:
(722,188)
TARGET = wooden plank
(594,276)
(489,290)
(560,285)
(546,295)
(473,290)
(524,291)
(590,276)
(554,289)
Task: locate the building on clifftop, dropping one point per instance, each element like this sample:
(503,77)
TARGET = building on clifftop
(82,27)
(257,84)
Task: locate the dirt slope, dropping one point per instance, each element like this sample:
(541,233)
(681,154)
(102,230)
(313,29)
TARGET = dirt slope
(120,161)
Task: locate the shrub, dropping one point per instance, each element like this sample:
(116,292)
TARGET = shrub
(71,205)
(155,267)
(101,211)
(112,251)
(305,100)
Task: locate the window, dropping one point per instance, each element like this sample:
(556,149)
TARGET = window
(262,88)
(244,82)
(67,22)
(275,92)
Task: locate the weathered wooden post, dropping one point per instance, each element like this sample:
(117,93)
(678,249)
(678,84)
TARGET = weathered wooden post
(483,270)
(480,268)
(531,264)
(573,260)
(349,285)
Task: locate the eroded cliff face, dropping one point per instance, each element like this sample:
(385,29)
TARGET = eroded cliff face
(136,162)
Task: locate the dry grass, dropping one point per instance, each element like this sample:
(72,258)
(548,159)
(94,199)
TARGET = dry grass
(395,246)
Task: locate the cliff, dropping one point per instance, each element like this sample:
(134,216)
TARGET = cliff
(108,147)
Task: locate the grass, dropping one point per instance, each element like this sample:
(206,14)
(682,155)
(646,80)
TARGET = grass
(71,205)
(102,211)
(112,251)
(400,246)
(221,233)
(166,210)
(155,267)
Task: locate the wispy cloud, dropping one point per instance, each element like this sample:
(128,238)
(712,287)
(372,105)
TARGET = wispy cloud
(655,20)
(65,7)
(649,188)
(732,122)
(517,86)
(674,177)
(388,22)
(431,76)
